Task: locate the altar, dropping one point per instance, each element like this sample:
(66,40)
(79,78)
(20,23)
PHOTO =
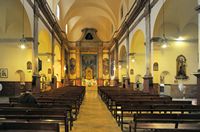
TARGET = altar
(89,83)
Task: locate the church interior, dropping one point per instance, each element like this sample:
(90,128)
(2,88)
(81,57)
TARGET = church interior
(100,65)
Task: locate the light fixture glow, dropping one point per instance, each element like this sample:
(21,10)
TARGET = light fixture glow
(180,38)
(133,60)
(164,46)
(48,60)
(120,66)
(22,46)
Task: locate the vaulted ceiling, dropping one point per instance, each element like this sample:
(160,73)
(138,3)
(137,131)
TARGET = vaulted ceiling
(100,14)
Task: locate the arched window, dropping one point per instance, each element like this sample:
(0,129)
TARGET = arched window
(58,12)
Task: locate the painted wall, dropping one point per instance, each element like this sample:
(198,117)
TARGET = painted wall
(44,49)
(13,58)
(13,23)
(57,64)
(166,59)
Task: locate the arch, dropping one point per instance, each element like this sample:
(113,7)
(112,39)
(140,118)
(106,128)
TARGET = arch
(57,63)
(175,24)
(138,49)
(15,17)
(122,63)
(21,76)
(104,28)
(44,39)
(180,21)
(99,11)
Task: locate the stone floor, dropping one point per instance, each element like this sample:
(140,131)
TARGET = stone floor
(94,116)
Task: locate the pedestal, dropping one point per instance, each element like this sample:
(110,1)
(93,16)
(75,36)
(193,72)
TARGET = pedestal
(197,74)
(100,82)
(54,82)
(127,82)
(114,82)
(78,82)
(36,84)
(148,84)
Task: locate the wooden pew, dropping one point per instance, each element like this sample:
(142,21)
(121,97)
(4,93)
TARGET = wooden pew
(165,121)
(30,126)
(176,130)
(38,114)
(154,108)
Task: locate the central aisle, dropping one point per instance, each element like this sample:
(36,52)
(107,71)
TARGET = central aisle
(94,115)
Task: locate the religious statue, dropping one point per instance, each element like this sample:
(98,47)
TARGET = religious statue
(105,66)
(89,73)
(181,67)
(72,66)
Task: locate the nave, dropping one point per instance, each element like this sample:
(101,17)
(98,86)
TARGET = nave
(94,116)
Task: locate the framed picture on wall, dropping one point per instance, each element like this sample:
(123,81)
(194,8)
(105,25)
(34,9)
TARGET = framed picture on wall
(3,73)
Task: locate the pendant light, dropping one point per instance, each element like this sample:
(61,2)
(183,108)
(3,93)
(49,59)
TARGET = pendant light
(22,40)
(164,40)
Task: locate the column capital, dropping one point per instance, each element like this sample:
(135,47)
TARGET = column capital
(198,8)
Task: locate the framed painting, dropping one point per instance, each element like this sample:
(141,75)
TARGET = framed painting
(3,73)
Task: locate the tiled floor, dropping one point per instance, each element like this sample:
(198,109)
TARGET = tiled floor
(94,116)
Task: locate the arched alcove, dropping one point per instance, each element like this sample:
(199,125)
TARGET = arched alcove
(178,21)
(137,51)
(57,63)
(122,63)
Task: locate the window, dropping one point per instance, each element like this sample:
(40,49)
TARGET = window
(89,36)
(58,12)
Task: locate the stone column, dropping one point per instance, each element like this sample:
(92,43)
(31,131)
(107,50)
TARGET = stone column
(197,74)
(35,77)
(148,79)
(78,71)
(116,63)
(198,9)
(127,81)
(100,66)
(53,77)
(62,63)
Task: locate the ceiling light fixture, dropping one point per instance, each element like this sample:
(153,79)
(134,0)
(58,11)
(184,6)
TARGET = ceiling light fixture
(164,39)
(22,40)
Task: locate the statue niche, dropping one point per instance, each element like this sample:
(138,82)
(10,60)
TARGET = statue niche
(181,67)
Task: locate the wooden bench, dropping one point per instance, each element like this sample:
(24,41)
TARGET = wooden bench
(165,121)
(38,114)
(30,126)
(152,108)
(176,130)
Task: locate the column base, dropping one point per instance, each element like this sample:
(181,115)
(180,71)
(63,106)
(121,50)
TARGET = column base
(148,84)
(197,74)
(100,82)
(127,82)
(36,84)
(54,82)
(114,82)
(78,82)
